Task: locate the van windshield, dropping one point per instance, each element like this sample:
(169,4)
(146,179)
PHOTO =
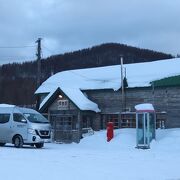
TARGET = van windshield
(36,118)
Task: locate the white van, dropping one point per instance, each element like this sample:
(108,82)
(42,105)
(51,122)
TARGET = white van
(23,126)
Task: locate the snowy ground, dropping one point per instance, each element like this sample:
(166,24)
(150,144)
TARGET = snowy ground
(95,159)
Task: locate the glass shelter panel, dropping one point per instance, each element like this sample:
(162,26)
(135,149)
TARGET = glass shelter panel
(146,128)
(140,129)
(152,126)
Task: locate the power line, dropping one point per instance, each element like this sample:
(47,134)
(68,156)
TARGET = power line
(14,47)
(48,49)
(114,80)
(20,57)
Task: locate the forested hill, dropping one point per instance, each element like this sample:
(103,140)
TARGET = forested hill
(18,81)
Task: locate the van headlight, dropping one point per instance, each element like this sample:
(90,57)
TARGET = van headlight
(32,131)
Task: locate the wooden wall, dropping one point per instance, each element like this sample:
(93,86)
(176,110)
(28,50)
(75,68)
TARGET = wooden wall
(164,99)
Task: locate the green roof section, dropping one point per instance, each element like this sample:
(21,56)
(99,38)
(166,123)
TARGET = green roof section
(170,81)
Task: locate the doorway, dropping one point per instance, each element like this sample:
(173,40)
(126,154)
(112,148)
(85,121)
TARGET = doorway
(145,129)
(63,126)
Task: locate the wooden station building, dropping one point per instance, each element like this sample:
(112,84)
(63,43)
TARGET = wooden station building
(76,101)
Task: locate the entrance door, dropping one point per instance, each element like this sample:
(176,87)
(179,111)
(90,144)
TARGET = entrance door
(152,126)
(62,126)
(142,130)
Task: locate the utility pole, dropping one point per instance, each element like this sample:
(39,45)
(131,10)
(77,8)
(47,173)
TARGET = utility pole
(125,85)
(38,54)
(122,84)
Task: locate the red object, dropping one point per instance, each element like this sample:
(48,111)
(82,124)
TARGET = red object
(110,131)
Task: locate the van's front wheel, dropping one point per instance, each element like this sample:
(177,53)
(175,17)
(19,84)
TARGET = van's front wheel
(39,145)
(18,141)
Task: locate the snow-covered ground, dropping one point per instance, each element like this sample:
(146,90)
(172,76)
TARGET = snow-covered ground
(95,159)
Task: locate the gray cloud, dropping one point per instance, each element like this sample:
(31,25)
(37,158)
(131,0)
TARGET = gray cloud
(67,25)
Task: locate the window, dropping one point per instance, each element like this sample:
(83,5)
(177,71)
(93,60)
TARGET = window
(4,118)
(110,118)
(86,121)
(19,118)
(36,118)
(62,104)
(128,120)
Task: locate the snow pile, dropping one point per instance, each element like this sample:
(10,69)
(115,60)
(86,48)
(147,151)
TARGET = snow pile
(138,75)
(94,158)
(144,107)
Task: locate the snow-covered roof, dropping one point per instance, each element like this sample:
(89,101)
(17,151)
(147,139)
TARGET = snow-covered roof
(138,75)
(6,106)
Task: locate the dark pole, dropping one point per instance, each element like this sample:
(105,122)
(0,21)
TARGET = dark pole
(122,84)
(124,91)
(38,61)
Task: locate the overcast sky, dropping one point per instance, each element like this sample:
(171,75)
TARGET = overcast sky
(68,25)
